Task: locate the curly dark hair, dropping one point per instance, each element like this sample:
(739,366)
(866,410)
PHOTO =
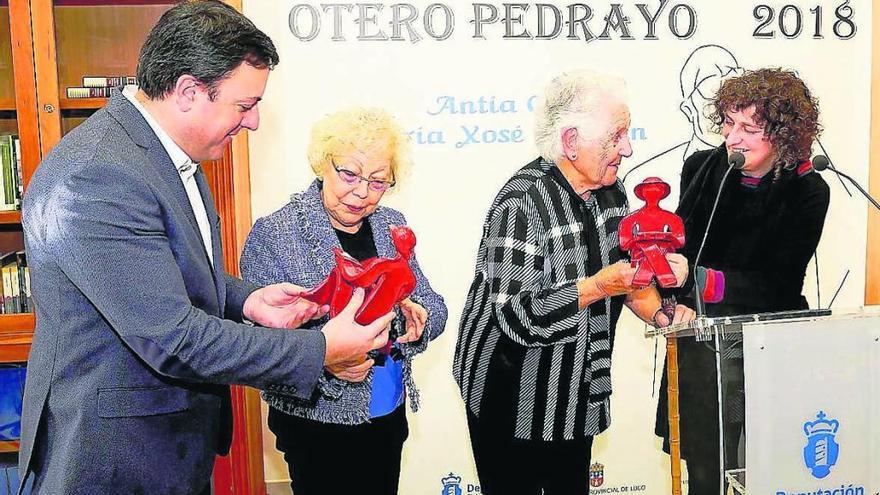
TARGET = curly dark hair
(783,106)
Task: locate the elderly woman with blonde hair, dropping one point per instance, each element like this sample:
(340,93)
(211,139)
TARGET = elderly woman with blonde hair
(357,155)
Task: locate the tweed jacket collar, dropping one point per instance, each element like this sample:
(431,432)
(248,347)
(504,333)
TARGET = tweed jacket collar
(315,228)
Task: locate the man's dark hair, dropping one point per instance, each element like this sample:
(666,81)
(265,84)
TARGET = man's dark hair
(206,39)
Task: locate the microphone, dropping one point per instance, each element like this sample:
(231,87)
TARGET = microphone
(735,160)
(821,162)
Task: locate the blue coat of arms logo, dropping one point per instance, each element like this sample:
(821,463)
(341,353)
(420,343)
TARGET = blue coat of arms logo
(451,485)
(821,450)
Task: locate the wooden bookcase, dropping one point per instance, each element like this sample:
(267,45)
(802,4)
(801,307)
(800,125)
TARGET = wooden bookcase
(18,115)
(47,46)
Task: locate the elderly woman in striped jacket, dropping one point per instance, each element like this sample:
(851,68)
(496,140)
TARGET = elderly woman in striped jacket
(533,358)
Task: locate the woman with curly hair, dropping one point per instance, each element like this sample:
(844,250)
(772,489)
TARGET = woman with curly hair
(768,222)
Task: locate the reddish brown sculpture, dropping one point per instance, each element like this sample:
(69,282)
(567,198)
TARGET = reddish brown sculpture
(386,281)
(651,232)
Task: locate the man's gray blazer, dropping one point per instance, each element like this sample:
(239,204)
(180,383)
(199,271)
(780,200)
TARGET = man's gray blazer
(135,341)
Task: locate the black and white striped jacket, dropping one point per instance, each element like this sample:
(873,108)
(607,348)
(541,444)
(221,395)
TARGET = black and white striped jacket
(539,238)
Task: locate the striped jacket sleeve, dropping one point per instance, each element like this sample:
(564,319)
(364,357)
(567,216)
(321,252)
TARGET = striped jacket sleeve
(528,309)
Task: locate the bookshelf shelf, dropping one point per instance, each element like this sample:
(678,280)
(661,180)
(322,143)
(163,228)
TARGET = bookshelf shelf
(82,103)
(10,217)
(15,323)
(7,104)
(9,446)
(16,335)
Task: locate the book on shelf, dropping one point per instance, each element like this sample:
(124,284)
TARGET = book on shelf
(8,304)
(98,86)
(88,93)
(10,283)
(24,283)
(17,296)
(107,81)
(10,170)
(20,183)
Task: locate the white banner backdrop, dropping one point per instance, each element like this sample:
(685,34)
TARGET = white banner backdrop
(462,76)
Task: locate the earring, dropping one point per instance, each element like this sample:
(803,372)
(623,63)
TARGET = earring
(573,157)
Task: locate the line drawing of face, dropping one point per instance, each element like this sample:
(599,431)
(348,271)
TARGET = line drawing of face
(701,75)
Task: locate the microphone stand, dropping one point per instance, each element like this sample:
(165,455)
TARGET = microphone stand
(736,160)
(841,174)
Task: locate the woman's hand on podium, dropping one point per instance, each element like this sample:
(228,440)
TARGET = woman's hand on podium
(682,314)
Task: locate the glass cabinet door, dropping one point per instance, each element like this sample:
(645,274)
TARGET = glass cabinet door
(7,80)
(96,45)
(19,139)
(10,143)
(19,154)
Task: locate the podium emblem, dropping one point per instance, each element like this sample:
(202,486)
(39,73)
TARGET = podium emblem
(451,485)
(597,475)
(820,453)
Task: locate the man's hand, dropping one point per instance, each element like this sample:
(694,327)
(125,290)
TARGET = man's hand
(280,306)
(347,341)
(679,265)
(682,314)
(416,316)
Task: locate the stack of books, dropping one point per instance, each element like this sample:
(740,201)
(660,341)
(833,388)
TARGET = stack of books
(10,170)
(16,283)
(99,86)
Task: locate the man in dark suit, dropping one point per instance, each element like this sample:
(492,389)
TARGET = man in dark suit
(139,328)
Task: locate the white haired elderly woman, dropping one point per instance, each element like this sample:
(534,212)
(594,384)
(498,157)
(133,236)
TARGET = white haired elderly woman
(533,358)
(350,434)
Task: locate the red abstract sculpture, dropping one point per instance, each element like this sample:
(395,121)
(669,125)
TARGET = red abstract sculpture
(651,232)
(386,281)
